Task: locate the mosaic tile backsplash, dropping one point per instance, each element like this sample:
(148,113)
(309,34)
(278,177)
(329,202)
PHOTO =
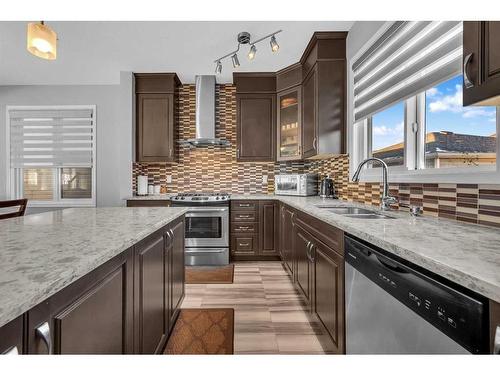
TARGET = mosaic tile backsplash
(215,169)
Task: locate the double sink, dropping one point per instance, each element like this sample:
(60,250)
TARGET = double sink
(354,212)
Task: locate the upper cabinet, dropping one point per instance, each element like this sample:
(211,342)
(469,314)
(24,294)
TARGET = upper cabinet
(156,104)
(324,95)
(255,116)
(289,120)
(481,63)
(308,99)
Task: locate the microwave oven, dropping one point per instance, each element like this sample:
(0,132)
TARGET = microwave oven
(296,184)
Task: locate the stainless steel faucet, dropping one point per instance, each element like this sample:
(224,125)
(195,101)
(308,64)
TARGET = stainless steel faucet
(387,200)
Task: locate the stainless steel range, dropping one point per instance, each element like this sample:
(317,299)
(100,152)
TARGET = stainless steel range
(207,227)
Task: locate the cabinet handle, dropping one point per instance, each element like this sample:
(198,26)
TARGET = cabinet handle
(467,82)
(315,141)
(244,216)
(238,153)
(245,205)
(244,228)
(11,351)
(244,244)
(496,344)
(171,152)
(43,332)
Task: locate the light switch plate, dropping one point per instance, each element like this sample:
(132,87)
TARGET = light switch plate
(169,179)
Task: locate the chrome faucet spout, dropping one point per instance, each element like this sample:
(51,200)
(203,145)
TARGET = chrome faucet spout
(386,200)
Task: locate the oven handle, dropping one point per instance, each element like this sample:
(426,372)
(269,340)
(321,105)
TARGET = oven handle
(208,209)
(187,251)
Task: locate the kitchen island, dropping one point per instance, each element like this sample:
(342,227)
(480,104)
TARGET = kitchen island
(118,272)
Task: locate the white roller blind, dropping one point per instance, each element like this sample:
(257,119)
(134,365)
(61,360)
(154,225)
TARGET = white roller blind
(52,137)
(407,59)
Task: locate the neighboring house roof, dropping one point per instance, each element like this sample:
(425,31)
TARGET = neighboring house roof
(446,142)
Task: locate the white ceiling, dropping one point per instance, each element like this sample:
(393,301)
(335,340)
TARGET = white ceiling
(95,52)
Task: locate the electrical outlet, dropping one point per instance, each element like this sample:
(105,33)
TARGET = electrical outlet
(169,179)
(264,179)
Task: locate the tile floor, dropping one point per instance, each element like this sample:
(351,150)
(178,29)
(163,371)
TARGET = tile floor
(269,313)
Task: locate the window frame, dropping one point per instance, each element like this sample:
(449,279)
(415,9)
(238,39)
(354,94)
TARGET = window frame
(414,171)
(14,178)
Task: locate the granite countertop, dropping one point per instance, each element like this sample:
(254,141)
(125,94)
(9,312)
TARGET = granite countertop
(466,254)
(41,254)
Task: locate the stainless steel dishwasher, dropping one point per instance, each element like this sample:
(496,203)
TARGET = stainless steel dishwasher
(394,307)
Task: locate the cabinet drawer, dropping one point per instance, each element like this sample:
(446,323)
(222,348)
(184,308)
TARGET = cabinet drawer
(244,244)
(244,205)
(244,227)
(244,216)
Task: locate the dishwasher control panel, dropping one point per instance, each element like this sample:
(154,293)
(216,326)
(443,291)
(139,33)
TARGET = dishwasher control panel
(461,316)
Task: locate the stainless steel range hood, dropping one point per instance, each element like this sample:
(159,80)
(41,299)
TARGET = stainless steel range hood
(205,115)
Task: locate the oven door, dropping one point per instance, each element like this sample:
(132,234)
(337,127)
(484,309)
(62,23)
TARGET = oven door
(207,227)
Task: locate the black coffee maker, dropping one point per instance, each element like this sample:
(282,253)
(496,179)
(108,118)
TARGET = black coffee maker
(327,190)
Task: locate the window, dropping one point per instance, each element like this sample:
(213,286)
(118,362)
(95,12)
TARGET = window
(52,155)
(457,136)
(407,108)
(388,135)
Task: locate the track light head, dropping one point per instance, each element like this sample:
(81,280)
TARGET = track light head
(218,67)
(236,62)
(252,52)
(274,44)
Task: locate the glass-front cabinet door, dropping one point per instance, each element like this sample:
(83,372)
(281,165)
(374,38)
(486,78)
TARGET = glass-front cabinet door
(289,126)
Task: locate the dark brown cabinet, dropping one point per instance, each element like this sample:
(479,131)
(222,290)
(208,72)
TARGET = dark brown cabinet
(286,241)
(269,228)
(328,300)
(176,243)
(302,242)
(127,305)
(324,95)
(309,113)
(91,316)
(151,297)
(481,64)
(156,104)
(11,335)
(316,265)
(254,230)
(255,116)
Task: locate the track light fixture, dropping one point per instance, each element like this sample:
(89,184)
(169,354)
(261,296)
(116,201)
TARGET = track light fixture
(252,52)
(274,44)
(236,62)
(218,67)
(244,38)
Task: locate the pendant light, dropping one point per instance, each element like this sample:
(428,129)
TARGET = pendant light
(42,41)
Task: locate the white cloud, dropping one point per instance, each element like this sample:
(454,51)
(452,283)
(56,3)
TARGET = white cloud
(432,92)
(453,103)
(388,130)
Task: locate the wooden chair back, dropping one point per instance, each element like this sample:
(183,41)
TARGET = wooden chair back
(22,203)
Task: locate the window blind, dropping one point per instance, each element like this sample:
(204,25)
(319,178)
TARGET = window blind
(52,137)
(407,59)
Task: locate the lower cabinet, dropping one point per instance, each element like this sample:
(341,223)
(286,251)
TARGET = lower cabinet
(127,305)
(151,310)
(313,255)
(328,300)
(91,316)
(11,335)
(254,229)
(303,242)
(286,239)
(176,265)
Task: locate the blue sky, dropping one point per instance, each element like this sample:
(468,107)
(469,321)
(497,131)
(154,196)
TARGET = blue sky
(444,111)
